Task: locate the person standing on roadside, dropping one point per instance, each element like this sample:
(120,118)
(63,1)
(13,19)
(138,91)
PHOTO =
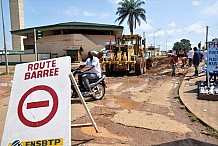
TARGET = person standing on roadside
(190,55)
(173,61)
(196,60)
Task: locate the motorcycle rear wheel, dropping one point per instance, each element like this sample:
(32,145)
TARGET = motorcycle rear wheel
(99,91)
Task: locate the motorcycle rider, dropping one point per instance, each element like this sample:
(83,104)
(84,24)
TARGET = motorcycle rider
(95,71)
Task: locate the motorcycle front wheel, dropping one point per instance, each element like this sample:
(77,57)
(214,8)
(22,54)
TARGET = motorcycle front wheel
(99,91)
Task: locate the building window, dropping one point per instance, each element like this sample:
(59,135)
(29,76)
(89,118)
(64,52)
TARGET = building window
(29,47)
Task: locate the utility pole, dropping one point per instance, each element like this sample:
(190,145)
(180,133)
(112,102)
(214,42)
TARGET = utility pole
(206,36)
(34,32)
(166,44)
(4,35)
(154,36)
(207,76)
(154,39)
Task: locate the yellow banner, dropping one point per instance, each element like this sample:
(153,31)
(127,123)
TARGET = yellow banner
(44,142)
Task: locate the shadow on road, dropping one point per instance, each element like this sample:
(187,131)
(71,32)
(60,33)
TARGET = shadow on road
(81,142)
(192,91)
(77,100)
(186,142)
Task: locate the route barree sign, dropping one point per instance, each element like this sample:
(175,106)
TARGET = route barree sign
(39,111)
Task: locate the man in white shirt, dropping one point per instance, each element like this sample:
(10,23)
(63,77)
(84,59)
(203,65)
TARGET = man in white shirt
(95,70)
(190,55)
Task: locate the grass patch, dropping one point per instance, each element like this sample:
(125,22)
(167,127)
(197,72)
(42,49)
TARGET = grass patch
(212,131)
(193,117)
(180,103)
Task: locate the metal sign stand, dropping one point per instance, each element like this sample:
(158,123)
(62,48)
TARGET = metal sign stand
(84,105)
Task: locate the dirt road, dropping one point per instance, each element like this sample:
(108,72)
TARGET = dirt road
(141,111)
(136,110)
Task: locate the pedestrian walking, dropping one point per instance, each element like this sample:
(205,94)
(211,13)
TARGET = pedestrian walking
(196,60)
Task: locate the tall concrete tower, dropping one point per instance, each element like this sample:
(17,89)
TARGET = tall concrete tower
(17,22)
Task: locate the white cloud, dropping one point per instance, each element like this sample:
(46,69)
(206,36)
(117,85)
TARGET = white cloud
(195,2)
(145,26)
(96,14)
(89,14)
(157,34)
(104,14)
(173,24)
(114,1)
(173,31)
(193,43)
(210,10)
(160,33)
(72,11)
(196,27)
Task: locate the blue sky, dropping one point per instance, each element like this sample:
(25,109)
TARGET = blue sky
(176,19)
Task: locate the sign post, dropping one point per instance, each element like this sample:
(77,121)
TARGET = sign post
(84,105)
(39,111)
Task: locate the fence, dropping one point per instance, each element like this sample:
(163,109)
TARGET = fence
(23,58)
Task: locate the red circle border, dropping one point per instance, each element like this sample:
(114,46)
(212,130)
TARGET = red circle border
(51,114)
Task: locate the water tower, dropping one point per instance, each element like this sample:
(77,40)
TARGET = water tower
(17,22)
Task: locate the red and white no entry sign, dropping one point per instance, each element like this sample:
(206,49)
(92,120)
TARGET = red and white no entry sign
(38,104)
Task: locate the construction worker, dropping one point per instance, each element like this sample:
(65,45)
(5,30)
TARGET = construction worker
(173,61)
(184,61)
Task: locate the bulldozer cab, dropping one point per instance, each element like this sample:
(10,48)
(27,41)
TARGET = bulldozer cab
(126,54)
(123,52)
(135,40)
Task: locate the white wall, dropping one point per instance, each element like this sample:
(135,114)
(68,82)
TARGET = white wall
(60,43)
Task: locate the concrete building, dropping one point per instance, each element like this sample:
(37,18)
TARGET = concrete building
(151,51)
(74,39)
(17,22)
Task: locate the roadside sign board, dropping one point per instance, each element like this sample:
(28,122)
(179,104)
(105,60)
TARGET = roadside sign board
(212,58)
(39,111)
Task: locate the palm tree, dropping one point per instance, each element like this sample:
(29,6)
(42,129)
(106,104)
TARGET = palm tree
(131,9)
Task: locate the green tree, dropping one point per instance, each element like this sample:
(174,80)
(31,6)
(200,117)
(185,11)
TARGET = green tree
(131,9)
(184,45)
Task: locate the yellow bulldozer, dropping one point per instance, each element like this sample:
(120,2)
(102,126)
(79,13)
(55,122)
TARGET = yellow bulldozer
(126,54)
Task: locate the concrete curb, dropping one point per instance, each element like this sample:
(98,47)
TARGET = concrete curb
(205,110)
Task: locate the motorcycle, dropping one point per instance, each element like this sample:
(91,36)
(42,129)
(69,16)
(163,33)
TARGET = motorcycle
(97,86)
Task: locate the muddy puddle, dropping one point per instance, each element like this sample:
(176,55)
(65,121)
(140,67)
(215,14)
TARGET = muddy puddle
(103,132)
(5,84)
(124,103)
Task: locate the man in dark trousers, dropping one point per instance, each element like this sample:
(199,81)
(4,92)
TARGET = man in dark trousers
(95,71)
(196,60)
(173,61)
